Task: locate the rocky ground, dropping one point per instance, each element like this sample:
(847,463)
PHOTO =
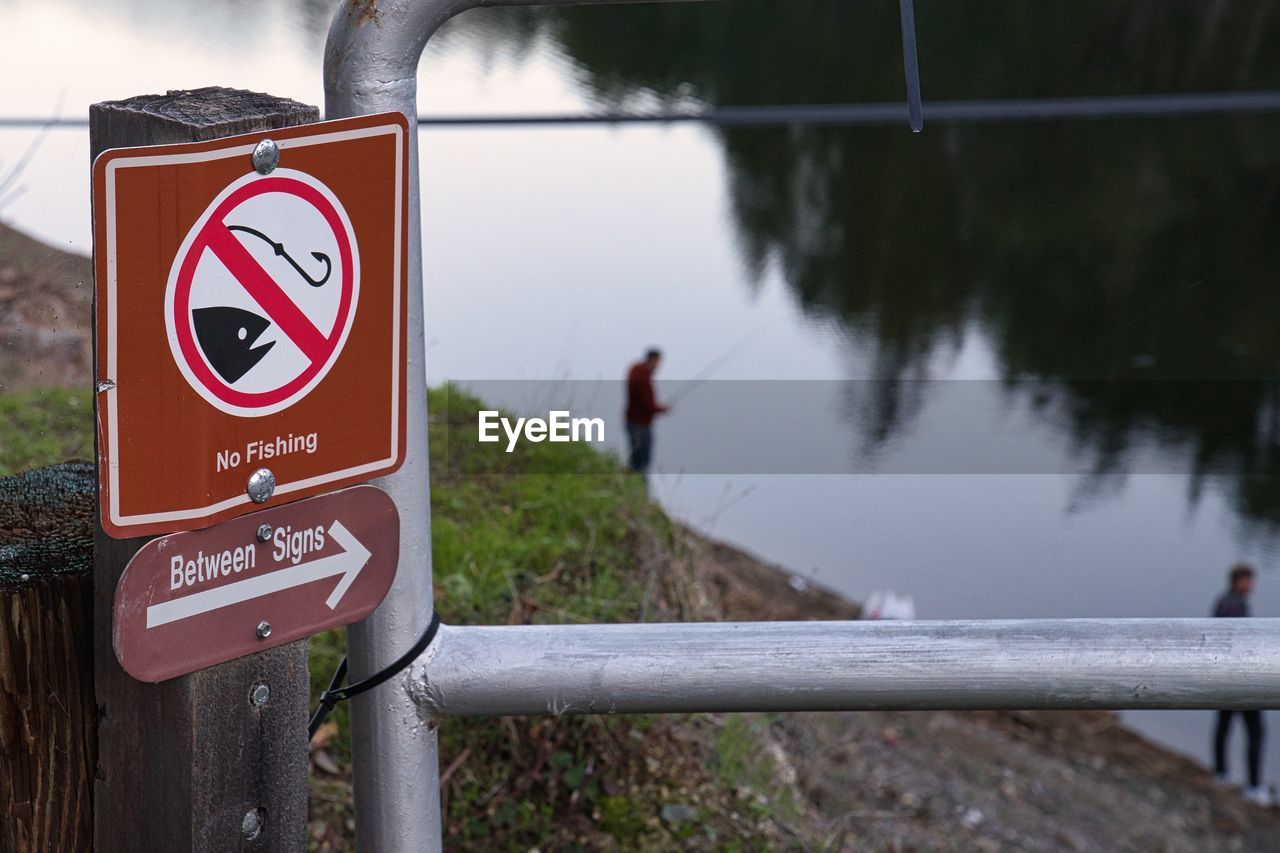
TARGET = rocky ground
(1013,780)
(45,296)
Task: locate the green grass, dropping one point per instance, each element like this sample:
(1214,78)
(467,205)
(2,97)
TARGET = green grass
(508,546)
(511,546)
(40,428)
(555,547)
(511,543)
(737,760)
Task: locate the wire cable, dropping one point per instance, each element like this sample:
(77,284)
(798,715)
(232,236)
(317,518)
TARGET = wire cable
(880,113)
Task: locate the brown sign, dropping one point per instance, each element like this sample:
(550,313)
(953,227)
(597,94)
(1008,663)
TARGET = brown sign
(192,600)
(249,316)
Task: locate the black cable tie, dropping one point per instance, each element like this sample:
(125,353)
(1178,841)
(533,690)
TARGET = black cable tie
(336,693)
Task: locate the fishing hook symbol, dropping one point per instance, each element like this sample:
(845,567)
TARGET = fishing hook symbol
(278,248)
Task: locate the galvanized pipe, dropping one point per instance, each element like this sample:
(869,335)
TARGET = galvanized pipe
(371,60)
(370,66)
(829,666)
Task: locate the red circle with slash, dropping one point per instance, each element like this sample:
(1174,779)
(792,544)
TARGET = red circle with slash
(319,346)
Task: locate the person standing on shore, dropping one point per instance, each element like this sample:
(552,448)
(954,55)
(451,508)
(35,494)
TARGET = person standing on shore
(642,408)
(1235,603)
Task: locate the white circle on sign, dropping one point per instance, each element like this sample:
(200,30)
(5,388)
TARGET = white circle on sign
(262,293)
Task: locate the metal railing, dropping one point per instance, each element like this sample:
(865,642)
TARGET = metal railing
(850,666)
(1095,107)
(371,64)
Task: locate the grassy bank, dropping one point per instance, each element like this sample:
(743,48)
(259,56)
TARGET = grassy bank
(511,547)
(40,428)
(585,545)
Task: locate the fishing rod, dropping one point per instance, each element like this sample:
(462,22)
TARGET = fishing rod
(713,367)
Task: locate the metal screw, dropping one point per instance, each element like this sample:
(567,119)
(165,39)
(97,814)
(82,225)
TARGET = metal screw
(264,532)
(266,156)
(262,485)
(251,824)
(264,629)
(260,694)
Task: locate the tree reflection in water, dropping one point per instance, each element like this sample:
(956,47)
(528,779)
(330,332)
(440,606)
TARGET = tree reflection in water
(1123,272)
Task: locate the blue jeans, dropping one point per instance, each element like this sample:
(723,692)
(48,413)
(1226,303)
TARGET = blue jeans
(641,441)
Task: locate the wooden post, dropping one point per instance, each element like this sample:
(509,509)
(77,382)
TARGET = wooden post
(46,659)
(190,763)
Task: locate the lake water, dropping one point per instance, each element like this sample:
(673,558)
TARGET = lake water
(1097,299)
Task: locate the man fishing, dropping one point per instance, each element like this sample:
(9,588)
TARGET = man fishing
(642,408)
(1235,603)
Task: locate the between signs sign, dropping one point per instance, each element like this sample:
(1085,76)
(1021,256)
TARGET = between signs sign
(195,599)
(251,314)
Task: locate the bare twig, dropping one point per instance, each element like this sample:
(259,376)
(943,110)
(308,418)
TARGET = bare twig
(8,190)
(453,766)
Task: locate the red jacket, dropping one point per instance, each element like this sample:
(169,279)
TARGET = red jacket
(642,407)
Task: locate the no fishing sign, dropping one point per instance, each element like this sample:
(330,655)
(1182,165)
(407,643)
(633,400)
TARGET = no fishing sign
(251,320)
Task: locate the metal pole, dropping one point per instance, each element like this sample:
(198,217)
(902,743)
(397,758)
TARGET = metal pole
(831,666)
(911,65)
(370,66)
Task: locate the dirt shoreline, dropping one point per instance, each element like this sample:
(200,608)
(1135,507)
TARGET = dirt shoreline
(45,299)
(989,780)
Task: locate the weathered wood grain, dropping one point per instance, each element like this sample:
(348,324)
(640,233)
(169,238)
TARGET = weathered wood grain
(181,763)
(46,660)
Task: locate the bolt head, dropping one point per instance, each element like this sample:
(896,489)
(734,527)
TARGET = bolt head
(264,532)
(251,824)
(266,156)
(260,694)
(264,629)
(262,485)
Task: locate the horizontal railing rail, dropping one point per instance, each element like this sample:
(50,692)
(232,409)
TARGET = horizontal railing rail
(827,666)
(886,113)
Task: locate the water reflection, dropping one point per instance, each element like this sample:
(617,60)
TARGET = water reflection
(815,51)
(1086,251)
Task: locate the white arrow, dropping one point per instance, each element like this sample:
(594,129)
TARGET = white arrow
(353,558)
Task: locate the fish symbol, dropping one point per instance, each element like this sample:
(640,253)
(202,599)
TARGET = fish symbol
(227,336)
